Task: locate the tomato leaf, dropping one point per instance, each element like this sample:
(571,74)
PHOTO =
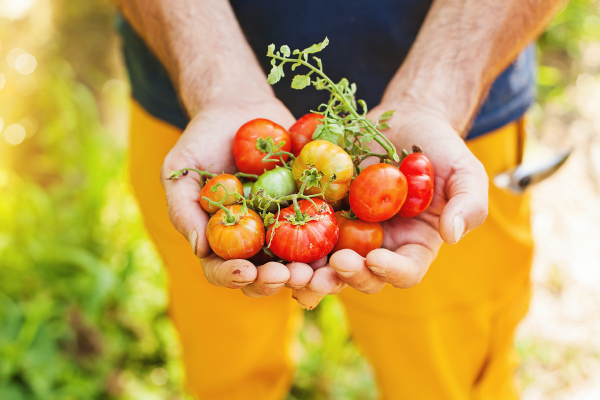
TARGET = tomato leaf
(386,115)
(300,81)
(269,219)
(315,48)
(270,50)
(331,133)
(367,137)
(276,74)
(285,50)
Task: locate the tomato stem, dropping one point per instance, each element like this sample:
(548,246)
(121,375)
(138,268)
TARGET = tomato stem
(243,175)
(299,216)
(230,218)
(368,125)
(177,174)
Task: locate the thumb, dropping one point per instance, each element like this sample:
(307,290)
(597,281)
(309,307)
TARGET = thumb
(185,212)
(467,193)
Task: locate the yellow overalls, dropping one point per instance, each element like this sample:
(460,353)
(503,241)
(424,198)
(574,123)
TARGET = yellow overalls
(449,338)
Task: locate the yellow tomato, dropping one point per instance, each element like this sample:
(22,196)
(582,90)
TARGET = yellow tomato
(331,162)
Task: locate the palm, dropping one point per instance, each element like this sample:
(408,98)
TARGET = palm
(459,205)
(207,144)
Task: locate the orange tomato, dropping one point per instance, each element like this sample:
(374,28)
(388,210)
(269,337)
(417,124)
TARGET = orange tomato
(232,184)
(239,240)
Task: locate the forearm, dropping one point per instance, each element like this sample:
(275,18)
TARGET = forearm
(202,47)
(461,48)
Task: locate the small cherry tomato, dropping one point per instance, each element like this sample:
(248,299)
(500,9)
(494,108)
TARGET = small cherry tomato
(302,131)
(250,145)
(232,184)
(378,192)
(357,235)
(276,182)
(241,238)
(331,162)
(307,240)
(419,175)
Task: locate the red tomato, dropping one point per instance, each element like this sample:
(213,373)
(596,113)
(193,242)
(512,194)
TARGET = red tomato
(242,239)
(357,235)
(247,150)
(305,242)
(378,192)
(232,184)
(419,174)
(302,131)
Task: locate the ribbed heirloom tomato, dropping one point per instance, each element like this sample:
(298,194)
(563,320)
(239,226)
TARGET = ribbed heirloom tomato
(305,239)
(232,184)
(357,235)
(302,131)
(331,162)
(250,145)
(419,175)
(378,193)
(240,237)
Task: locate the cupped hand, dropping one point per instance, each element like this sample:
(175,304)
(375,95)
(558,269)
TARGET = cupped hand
(460,204)
(206,144)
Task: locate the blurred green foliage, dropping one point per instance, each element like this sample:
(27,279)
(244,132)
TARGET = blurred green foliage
(82,291)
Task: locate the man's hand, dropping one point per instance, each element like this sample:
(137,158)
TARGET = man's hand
(207,142)
(459,205)
(461,48)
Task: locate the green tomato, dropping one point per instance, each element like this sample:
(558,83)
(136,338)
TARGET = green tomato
(276,182)
(247,188)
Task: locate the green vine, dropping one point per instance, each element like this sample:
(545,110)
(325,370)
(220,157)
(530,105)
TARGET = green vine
(342,124)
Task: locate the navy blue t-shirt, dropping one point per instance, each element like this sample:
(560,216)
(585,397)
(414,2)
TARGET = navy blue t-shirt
(368,42)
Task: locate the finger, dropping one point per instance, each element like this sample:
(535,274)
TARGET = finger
(320,263)
(326,281)
(185,212)
(233,274)
(352,269)
(403,268)
(307,298)
(270,278)
(467,208)
(300,275)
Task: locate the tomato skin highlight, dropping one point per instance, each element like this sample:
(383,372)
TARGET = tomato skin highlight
(308,242)
(378,192)
(330,160)
(248,158)
(419,175)
(239,241)
(302,131)
(276,182)
(232,184)
(360,236)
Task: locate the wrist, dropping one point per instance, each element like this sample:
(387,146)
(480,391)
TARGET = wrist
(197,92)
(451,95)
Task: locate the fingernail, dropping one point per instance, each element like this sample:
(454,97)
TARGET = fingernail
(274,285)
(297,286)
(194,240)
(458,226)
(378,271)
(346,274)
